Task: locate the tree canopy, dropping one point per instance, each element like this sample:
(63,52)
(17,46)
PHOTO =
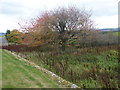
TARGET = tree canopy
(59,25)
(14,36)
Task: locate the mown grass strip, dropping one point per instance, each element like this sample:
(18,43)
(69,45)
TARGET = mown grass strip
(17,73)
(0,68)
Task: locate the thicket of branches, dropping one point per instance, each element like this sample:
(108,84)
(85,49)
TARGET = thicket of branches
(59,26)
(65,27)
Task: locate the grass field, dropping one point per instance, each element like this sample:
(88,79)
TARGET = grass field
(90,67)
(0,68)
(18,74)
(117,33)
(87,67)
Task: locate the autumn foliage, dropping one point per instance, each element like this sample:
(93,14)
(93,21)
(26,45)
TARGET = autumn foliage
(15,37)
(57,26)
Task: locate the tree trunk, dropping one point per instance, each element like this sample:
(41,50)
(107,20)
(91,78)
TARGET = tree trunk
(63,47)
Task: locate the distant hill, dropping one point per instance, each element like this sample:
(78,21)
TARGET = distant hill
(2,34)
(110,29)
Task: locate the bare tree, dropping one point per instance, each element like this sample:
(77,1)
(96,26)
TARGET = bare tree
(63,22)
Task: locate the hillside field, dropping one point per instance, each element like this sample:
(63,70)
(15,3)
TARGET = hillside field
(18,74)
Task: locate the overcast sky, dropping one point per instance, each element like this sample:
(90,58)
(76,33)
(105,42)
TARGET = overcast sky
(104,12)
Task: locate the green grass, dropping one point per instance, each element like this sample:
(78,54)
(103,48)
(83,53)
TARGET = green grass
(116,33)
(0,68)
(94,68)
(2,36)
(18,74)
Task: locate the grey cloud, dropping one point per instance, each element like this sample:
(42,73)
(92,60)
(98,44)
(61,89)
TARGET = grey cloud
(102,7)
(11,8)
